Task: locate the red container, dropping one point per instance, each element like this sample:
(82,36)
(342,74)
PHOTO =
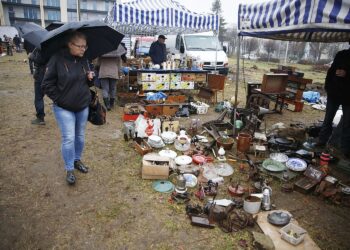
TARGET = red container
(243,142)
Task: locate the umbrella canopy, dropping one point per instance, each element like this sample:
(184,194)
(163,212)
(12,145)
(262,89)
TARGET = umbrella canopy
(28,27)
(118,52)
(101,38)
(35,37)
(53,25)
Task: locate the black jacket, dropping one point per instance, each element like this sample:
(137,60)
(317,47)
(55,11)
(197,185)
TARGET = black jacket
(338,88)
(157,52)
(65,81)
(39,64)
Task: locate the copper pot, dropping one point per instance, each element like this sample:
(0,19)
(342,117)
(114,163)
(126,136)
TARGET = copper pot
(243,142)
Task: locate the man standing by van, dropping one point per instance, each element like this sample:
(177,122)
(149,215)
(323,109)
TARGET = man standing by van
(157,50)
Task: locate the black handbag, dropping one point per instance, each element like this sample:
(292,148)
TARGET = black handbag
(97,113)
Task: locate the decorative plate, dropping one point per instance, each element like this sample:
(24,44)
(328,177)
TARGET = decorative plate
(273,166)
(280,157)
(296,164)
(183,160)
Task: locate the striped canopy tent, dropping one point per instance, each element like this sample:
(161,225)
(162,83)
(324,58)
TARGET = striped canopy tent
(297,20)
(151,17)
(325,21)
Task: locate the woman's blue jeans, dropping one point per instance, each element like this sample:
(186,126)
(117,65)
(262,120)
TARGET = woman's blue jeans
(72,126)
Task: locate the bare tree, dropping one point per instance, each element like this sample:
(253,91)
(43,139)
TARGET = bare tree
(231,37)
(250,45)
(317,50)
(270,47)
(297,50)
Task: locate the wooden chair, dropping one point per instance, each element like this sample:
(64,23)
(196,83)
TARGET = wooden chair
(216,83)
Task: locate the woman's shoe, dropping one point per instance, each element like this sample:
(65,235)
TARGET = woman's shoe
(81,167)
(70,178)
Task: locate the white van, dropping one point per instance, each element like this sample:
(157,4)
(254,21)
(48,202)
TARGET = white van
(202,46)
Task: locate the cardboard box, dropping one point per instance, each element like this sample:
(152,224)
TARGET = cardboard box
(162,86)
(274,83)
(147,77)
(188,77)
(175,77)
(156,167)
(163,78)
(172,126)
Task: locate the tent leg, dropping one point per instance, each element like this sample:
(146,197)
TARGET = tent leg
(237,80)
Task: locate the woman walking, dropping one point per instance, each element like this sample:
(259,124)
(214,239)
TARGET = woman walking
(66,81)
(110,72)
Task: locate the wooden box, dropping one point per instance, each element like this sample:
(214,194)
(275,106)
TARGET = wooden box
(143,147)
(175,97)
(274,83)
(188,77)
(313,176)
(170,110)
(216,81)
(201,77)
(154,110)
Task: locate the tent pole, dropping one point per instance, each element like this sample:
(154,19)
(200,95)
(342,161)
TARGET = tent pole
(237,79)
(216,48)
(237,68)
(286,55)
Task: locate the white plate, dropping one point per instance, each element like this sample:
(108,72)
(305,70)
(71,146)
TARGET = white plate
(191,180)
(296,164)
(280,157)
(183,160)
(224,169)
(168,153)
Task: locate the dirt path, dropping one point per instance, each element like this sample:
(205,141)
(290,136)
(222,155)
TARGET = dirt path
(110,207)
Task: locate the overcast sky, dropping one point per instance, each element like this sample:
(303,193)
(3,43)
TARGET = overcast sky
(229,7)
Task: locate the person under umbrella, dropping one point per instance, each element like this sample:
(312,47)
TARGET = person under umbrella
(110,65)
(33,39)
(66,82)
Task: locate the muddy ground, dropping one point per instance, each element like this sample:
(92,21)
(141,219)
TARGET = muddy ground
(111,207)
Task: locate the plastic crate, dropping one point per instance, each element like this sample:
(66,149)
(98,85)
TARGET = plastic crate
(291,239)
(202,108)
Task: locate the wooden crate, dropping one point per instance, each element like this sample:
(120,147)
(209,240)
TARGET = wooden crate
(201,77)
(274,83)
(188,77)
(170,110)
(154,110)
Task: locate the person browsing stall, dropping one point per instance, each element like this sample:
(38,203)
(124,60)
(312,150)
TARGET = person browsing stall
(337,86)
(67,82)
(157,50)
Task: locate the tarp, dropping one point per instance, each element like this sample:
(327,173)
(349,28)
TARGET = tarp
(296,20)
(159,17)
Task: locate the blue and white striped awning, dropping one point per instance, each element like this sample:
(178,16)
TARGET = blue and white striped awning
(296,20)
(154,16)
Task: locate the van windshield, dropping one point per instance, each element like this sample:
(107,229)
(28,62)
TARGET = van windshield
(202,43)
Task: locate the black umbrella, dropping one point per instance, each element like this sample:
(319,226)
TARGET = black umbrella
(101,38)
(53,25)
(28,27)
(35,37)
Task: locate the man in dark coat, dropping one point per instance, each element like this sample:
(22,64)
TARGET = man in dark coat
(17,42)
(39,71)
(338,89)
(157,50)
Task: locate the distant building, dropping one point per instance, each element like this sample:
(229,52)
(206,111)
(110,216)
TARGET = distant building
(44,12)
